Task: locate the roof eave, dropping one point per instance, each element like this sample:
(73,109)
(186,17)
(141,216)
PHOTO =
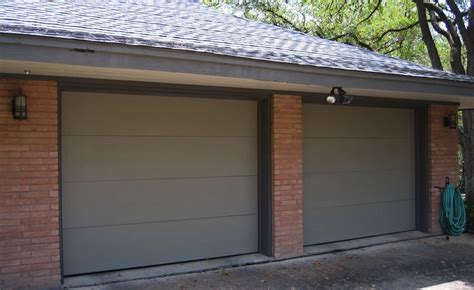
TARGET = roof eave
(76,52)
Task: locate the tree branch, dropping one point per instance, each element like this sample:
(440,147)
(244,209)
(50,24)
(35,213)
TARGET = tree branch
(361,43)
(269,10)
(397,47)
(437,28)
(459,19)
(450,34)
(337,37)
(341,7)
(410,26)
(371,13)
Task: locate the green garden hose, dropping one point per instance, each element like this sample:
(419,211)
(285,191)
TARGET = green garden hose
(452,216)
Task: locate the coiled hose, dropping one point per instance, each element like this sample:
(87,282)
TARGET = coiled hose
(452,216)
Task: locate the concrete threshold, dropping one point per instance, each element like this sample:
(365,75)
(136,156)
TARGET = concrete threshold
(363,242)
(163,270)
(89,280)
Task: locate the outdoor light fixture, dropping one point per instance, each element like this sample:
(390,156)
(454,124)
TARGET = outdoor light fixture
(19,107)
(331,99)
(338,95)
(450,121)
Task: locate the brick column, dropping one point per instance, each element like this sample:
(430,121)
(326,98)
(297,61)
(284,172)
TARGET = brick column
(442,159)
(29,203)
(287,176)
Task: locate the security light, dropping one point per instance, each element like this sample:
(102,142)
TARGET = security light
(330,99)
(338,95)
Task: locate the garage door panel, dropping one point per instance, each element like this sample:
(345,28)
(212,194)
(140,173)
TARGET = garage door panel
(125,202)
(350,222)
(337,121)
(148,180)
(336,189)
(356,154)
(95,158)
(359,172)
(127,246)
(146,115)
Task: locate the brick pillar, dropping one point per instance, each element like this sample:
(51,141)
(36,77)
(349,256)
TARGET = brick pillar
(442,159)
(29,203)
(287,176)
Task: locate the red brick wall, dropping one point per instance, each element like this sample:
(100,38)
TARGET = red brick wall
(29,204)
(287,161)
(442,158)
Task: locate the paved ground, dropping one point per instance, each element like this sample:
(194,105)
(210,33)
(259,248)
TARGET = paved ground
(431,262)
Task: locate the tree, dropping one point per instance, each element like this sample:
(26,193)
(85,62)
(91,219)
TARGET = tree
(439,33)
(454,21)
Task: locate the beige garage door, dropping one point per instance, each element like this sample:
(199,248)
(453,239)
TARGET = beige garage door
(359,172)
(149,180)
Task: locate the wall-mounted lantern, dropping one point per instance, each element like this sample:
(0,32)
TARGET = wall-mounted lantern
(20,107)
(451,121)
(338,95)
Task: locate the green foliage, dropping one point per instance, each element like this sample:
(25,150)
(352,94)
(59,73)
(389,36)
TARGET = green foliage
(386,26)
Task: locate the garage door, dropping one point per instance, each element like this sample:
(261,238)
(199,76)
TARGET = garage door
(359,172)
(149,180)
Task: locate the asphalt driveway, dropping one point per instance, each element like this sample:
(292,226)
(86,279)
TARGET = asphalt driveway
(429,262)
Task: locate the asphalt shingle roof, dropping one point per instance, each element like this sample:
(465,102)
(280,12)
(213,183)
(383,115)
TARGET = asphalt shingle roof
(188,25)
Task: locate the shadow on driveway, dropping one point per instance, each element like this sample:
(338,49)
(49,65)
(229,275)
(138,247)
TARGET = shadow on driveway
(431,262)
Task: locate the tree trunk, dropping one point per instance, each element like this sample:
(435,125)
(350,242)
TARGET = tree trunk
(469,41)
(427,37)
(470,48)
